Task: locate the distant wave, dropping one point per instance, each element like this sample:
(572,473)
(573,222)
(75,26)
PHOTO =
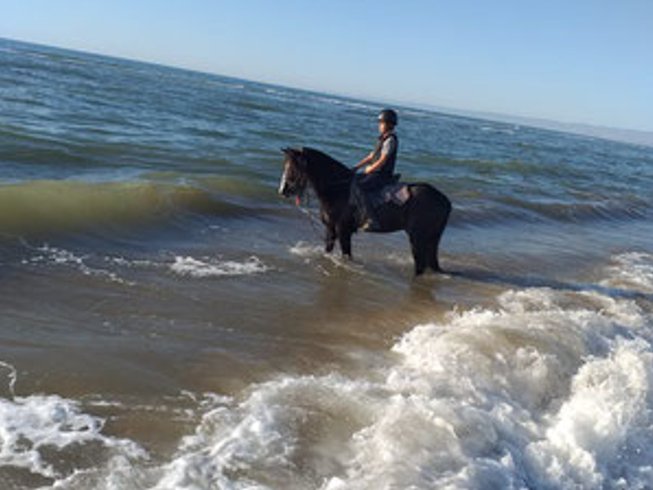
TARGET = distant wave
(46,206)
(510,209)
(612,209)
(50,206)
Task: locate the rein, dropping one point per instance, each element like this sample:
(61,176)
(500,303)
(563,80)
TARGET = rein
(341,183)
(309,214)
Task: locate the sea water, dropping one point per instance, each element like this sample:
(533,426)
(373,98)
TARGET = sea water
(169,322)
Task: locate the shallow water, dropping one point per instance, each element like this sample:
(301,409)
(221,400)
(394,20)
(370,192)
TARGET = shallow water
(169,322)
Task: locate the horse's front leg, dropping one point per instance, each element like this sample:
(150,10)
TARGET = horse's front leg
(344,236)
(330,238)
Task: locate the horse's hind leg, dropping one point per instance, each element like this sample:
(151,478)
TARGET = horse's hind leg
(433,253)
(420,256)
(434,262)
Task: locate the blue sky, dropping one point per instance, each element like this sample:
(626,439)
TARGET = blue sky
(572,61)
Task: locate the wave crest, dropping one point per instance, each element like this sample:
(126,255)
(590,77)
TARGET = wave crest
(41,207)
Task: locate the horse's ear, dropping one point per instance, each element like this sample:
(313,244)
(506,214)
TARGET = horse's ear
(291,152)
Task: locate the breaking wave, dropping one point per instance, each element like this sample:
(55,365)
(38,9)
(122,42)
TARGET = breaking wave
(549,389)
(40,431)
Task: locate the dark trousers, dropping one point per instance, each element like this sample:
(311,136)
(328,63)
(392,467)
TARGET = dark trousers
(373,181)
(368,184)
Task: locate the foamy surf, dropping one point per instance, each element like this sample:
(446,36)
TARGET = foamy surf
(54,256)
(185,266)
(632,271)
(315,254)
(192,267)
(549,389)
(38,432)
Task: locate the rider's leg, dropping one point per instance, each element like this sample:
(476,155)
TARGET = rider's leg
(368,184)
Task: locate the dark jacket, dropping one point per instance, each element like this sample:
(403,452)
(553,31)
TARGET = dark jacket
(388,168)
(383,175)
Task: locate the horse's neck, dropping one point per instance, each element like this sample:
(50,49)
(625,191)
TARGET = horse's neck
(329,178)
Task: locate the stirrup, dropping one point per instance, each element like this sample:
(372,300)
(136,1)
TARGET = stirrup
(371,225)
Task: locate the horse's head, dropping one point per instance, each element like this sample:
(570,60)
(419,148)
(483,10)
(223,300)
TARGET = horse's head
(294,179)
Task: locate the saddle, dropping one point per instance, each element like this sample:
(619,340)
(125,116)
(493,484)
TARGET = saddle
(394,193)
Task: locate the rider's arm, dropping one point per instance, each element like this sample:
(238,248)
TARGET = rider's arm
(365,160)
(377,164)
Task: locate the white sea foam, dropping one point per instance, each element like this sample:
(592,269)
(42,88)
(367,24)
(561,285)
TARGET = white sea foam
(53,439)
(35,431)
(264,438)
(192,267)
(343,102)
(632,271)
(499,129)
(549,389)
(182,265)
(400,259)
(12,376)
(307,250)
(131,263)
(50,255)
(314,254)
(602,436)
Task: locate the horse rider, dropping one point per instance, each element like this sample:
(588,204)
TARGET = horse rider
(379,167)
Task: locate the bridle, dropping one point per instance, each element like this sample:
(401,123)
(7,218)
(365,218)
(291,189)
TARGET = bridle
(300,183)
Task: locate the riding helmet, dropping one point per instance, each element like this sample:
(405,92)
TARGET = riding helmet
(389,116)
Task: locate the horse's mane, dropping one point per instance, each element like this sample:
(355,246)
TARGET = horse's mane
(324,160)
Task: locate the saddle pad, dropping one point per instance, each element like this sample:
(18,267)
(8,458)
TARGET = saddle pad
(397,194)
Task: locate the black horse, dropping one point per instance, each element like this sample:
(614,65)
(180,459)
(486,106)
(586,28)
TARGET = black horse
(424,216)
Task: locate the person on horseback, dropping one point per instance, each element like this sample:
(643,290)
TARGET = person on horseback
(379,167)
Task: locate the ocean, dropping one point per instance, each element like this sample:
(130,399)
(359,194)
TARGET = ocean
(170,322)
